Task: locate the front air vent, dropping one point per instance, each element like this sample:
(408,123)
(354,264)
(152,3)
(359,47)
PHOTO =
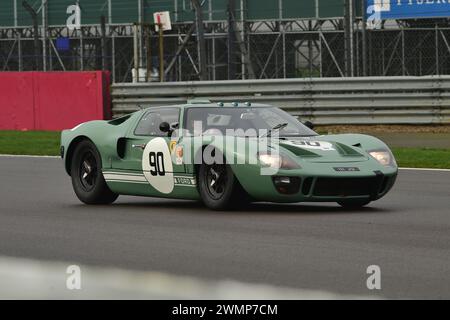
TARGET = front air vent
(287,185)
(307,184)
(384,185)
(346,150)
(344,187)
(299,151)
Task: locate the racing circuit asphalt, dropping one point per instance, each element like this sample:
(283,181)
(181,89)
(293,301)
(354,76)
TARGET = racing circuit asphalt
(303,246)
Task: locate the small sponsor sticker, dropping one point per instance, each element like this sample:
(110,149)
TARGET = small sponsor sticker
(185,181)
(346,169)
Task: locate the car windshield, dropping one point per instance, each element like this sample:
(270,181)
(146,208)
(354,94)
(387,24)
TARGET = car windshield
(250,122)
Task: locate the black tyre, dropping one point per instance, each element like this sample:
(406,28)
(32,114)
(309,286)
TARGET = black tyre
(354,204)
(87,178)
(219,188)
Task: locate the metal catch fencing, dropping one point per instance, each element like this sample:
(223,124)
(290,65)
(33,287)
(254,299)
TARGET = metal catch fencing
(369,100)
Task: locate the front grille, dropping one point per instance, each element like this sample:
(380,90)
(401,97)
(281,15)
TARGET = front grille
(306,188)
(345,187)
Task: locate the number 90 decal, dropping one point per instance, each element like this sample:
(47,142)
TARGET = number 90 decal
(157,166)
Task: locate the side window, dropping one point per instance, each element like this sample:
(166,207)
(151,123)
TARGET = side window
(150,122)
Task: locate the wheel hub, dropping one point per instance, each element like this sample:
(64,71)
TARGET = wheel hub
(88,171)
(216,181)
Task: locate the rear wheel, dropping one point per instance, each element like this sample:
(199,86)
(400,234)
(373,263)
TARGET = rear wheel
(87,178)
(219,188)
(354,204)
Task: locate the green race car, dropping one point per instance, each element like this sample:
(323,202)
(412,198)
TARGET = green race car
(225,155)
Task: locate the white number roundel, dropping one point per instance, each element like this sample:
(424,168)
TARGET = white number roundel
(157,165)
(313,144)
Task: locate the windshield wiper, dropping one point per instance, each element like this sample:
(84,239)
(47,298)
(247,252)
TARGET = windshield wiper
(278,127)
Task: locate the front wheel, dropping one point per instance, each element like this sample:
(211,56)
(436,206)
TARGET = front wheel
(353,204)
(219,188)
(87,178)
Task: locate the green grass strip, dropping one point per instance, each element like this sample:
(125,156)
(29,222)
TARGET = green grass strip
(38,143)
(422,158)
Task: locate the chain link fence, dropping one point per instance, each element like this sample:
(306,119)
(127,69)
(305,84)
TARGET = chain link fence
(277,50)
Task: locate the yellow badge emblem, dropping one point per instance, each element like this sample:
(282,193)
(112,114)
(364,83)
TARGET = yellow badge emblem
(172,146)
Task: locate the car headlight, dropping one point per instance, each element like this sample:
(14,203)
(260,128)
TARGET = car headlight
(384,157)
(277,161)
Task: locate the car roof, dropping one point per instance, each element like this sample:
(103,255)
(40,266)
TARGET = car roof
(218,105)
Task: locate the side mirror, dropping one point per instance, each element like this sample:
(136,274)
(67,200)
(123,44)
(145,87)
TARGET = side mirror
(309,124)
(165,127)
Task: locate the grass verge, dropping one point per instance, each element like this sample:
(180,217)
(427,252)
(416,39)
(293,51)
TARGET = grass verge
(39,143)
(47,143)
(422,158)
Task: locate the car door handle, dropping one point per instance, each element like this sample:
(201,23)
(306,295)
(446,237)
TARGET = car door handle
(140,146)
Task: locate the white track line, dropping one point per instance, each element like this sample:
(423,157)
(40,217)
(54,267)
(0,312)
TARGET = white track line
(425,169)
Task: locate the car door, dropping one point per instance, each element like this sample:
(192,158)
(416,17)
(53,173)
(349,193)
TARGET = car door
(147,167)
